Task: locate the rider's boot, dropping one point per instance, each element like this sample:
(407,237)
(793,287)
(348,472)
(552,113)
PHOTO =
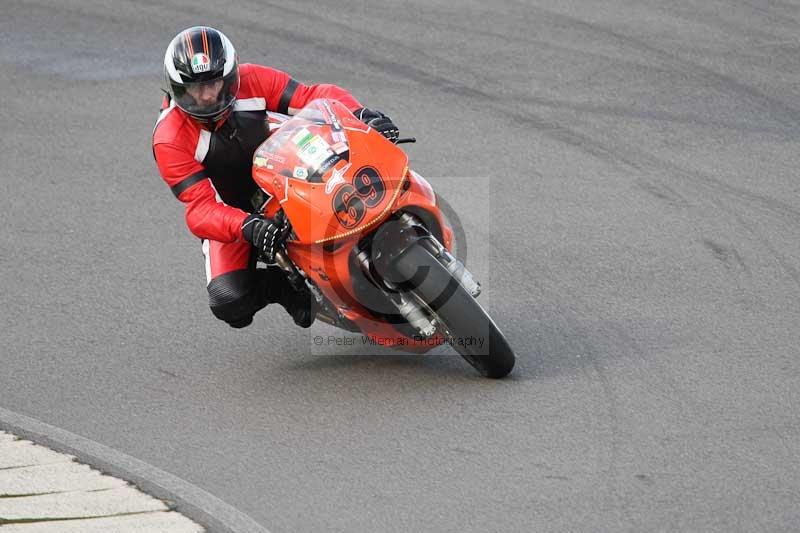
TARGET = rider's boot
(300,305)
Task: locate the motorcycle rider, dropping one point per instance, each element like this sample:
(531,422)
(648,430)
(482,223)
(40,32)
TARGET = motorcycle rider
(212,120)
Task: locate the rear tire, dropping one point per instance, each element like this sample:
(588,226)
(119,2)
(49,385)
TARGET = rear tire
(461,314)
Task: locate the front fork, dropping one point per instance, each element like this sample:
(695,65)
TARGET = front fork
(453,265)
(407,231)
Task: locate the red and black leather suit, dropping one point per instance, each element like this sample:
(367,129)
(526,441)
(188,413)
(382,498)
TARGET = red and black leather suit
(210,172)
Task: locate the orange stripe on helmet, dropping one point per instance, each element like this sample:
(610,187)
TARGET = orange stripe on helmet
(205,43)
(189,44)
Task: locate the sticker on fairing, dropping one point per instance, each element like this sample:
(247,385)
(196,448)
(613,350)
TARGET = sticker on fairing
(332,117)
(315,151)
(264,153)
(327,164)
(337,178)
(302,137)
(300,173)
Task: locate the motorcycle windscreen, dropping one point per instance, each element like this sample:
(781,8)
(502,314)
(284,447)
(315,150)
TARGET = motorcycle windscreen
(332,174)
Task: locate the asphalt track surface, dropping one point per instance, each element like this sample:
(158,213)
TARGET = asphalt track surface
(626,172)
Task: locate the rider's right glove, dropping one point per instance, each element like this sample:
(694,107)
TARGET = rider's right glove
(380,122)
(265,234)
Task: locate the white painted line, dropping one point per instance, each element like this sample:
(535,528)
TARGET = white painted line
(45,491)
(192,500)
(167,522)
(57,477)
(78,505)
(14,454)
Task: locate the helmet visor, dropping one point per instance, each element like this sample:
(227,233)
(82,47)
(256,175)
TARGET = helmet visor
(207,98)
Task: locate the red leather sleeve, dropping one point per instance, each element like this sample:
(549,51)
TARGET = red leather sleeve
(277,85)
(206,216)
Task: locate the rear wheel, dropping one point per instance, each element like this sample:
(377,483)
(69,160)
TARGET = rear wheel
(471,331)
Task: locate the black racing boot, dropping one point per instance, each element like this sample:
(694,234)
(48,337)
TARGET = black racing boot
(300,305)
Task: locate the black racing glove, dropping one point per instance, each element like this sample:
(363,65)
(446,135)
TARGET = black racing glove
(378,121)
(265,234)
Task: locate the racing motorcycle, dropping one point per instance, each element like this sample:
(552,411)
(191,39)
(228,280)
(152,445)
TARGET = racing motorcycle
(369,238)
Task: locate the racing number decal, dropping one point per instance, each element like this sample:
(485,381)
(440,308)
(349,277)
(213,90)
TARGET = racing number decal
(351,201)
(369,186)
(348,206)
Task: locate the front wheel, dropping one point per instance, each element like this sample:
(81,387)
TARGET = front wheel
(472,332)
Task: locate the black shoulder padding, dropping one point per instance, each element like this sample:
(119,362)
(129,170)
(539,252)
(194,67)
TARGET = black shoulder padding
(286,97)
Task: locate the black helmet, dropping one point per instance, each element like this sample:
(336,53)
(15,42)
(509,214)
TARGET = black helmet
(202,72)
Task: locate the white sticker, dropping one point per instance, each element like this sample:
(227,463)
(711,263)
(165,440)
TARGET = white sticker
(300,173)
(336,178)
(200,63)
(302,137)
(315,151)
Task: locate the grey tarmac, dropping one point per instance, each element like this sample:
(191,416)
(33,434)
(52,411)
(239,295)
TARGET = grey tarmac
(626,174)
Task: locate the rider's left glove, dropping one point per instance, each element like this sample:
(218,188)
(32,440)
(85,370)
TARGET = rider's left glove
(378,121)
(265,234)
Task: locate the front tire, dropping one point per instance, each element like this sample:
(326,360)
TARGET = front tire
(462,315)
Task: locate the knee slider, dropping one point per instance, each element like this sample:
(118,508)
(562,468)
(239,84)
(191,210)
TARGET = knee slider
(231,298)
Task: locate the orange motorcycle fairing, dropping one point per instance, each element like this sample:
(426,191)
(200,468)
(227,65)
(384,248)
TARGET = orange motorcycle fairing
(337,181)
